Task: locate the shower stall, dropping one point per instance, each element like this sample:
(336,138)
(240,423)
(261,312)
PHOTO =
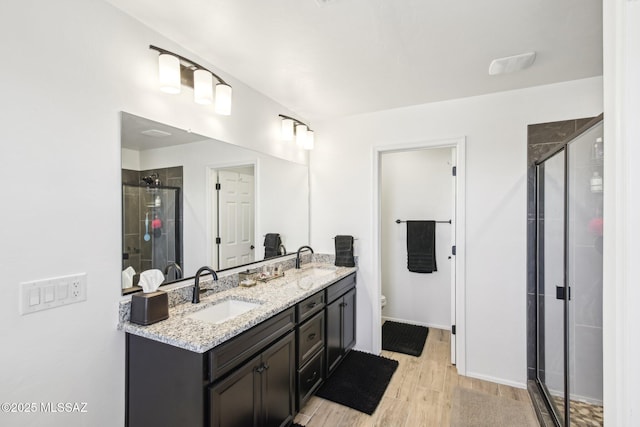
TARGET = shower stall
(569,228)
(151,218)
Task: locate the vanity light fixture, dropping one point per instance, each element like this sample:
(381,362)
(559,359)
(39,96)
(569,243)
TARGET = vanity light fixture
(309,140)
(174,70)
(303,135)
(287,129)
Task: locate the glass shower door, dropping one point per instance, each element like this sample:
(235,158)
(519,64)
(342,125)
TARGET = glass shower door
(551,269)
(584,276)
(569,279)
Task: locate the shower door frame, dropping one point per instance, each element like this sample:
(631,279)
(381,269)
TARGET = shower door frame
(540,260)
(564,148)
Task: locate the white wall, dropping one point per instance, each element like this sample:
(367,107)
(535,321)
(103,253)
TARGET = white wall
(621,211)
(69,68)
(416,185)
(496,129)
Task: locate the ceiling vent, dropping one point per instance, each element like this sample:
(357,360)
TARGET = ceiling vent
(155,133)
(509,64)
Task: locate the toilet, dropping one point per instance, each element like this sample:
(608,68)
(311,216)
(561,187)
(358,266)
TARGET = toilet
(383,301)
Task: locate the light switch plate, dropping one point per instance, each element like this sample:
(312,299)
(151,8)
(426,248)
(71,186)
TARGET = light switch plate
(54,292)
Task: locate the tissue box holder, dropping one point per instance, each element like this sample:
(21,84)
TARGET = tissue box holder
(150,308)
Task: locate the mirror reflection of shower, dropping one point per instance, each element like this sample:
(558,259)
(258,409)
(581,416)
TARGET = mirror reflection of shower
(152,224)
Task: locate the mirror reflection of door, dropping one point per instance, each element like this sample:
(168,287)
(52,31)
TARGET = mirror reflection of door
(235,196)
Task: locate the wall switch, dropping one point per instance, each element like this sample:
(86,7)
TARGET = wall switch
(34,296)
(50,293)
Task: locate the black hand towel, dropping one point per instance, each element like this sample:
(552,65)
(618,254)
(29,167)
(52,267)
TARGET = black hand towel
(272,244)
(421,246)
(344,251)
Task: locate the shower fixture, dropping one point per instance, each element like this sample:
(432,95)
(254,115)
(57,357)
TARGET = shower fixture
(152,180)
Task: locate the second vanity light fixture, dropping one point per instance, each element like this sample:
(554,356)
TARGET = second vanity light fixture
(295,128)
(174,70)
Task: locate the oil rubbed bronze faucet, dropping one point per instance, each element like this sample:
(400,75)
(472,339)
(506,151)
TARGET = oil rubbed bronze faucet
(298,254)
(196,288)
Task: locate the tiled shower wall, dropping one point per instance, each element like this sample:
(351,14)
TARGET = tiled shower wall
(161,249)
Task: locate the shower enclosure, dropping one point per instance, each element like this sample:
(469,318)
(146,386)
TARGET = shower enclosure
(151,230)
(569,278)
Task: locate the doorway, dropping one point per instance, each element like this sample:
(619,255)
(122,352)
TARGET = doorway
(423,181)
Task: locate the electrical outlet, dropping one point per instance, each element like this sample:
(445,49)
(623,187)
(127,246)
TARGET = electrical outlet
(50,293)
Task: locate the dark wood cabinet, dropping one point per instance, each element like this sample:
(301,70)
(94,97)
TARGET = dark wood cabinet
(235,401)
(258,378)
(249,380)
(164,385)
(310,344)
(260,392)
(340,321)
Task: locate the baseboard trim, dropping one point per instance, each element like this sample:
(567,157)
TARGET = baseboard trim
(413,322)
(497,380)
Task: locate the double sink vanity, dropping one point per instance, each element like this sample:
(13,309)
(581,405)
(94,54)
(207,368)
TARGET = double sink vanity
(242,356)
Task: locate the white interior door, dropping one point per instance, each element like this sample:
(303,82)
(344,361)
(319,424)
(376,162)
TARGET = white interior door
(235,216)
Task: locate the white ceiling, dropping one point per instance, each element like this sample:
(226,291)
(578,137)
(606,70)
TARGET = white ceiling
(326,59)
(133,138)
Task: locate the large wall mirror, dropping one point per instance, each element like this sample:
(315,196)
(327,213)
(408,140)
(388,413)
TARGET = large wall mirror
(190,201)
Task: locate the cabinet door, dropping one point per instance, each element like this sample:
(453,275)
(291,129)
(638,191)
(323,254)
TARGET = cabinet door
(278,382)
(235,401)
(334,334)
(349,321)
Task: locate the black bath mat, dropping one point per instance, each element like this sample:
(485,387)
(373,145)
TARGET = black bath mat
(403,338)
(359,382)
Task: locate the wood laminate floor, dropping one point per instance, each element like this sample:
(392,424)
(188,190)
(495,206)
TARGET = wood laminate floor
(419,393)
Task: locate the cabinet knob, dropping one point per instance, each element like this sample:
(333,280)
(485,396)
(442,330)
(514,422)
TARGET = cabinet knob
(311,336)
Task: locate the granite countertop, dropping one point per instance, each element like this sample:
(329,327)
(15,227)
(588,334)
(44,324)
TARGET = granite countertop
(274,297)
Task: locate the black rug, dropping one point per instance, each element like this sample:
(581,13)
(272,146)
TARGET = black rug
(359,382)
(403,338)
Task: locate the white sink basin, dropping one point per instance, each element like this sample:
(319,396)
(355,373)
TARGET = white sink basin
(223,311)
(317,271)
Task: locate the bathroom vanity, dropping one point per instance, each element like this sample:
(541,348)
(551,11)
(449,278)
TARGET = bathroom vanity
(256,368)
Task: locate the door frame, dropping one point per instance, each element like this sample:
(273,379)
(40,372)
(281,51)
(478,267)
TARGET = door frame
(459,292)
(212,202)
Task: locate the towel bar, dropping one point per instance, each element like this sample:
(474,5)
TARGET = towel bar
(398,221)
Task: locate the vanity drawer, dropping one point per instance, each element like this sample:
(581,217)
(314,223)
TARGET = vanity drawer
(341,287)
(234,352)
(310,306)
(309,378)
(310,338)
